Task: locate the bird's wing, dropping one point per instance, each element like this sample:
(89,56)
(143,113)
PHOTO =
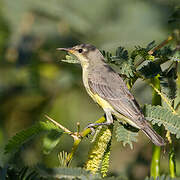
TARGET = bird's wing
(110,86)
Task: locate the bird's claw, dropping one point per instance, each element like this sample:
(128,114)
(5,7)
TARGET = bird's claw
(91,126)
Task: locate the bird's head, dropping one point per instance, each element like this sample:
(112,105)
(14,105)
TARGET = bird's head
(85,53)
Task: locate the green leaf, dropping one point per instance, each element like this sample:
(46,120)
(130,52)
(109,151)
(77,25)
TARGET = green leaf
(150,46)
(25,135)
(42,173)
(139,51)
(125,135)
(71,173)
(164,53)
(175,57)
(19,173)
(122,53)
(71,59)
(51,140)
(67,173)
(122,61)
(149,69)
(162,116)
(168,83)
(107,56)
(175,16)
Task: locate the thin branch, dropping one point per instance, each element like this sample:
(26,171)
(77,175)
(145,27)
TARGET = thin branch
(155,49)
(168,136)
(163,97)
(155,161)
(161,45)
(82,134)
(75,137)
(57,124)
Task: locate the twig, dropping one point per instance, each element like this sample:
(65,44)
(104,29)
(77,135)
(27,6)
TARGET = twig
(168,136)
(163,97)
(83,134)
(155,161)
(155,49)
(75,137)
(161,45)
(57,124)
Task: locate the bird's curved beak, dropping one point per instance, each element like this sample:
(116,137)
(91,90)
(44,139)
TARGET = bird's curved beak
(66,49)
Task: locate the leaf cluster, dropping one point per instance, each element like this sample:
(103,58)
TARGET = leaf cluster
(53,134)
(40,172)
(126,135)
(126,62)
(163,116)
(149,67)
(168,82)
(122,60)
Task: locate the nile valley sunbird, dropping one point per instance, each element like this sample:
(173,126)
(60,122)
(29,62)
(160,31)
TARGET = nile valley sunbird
(107,88)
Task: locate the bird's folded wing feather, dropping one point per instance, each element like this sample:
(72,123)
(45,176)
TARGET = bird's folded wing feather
(110,86)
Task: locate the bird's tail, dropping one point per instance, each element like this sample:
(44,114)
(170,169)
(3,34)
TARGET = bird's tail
(153,135)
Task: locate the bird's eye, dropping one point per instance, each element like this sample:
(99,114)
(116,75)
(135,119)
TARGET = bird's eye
(80,50)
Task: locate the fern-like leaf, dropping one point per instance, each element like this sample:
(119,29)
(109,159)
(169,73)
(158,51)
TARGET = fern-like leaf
(71,173)
(25,135)
(139,51)
(122,53)
(122,61)
(71,59)
(51,140)
(126,135)
(18,173)
(168,83)
(162,116)
(67,173)
(143,52)
(150,45)
(164,53)
(149,69)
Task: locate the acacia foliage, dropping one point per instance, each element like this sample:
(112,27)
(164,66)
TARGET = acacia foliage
(129,66)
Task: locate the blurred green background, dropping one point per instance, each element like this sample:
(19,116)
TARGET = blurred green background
(33,81)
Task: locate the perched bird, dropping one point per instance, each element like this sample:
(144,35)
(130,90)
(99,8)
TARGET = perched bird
(106,87)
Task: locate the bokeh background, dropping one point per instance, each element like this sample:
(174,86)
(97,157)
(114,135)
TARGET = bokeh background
(34,82)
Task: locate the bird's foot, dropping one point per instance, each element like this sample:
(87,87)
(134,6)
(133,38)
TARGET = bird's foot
(92,126)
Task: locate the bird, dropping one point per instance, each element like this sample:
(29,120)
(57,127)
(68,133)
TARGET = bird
(106,87)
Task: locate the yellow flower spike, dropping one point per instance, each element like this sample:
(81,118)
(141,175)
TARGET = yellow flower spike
(98,149)
(105,161)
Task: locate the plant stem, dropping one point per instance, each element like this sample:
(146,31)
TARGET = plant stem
(172,162)
(155,162)
(162,44)
(172,158)
(74,148)
(77,136)
(83,134)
